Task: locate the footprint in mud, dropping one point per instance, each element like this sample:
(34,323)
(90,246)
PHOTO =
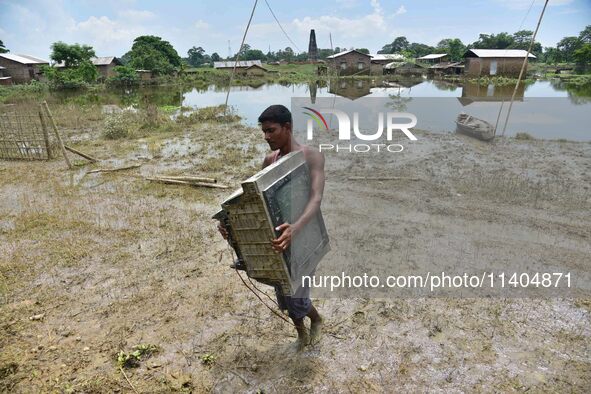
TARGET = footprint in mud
(359,317)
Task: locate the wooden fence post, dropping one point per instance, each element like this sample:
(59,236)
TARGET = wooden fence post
(45,133)
(57,134)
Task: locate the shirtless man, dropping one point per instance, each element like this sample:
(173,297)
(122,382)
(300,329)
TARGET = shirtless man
(276,123)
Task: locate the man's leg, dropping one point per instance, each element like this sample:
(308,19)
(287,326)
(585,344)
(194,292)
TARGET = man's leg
(303,337)
(315,326)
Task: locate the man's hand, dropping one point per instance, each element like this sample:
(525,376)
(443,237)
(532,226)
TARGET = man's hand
(281,243)
(222,230)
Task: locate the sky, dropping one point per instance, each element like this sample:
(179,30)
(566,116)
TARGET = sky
(110,26)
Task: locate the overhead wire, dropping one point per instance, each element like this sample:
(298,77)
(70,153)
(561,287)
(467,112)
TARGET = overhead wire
(281,27)
(525,60)
(238,55)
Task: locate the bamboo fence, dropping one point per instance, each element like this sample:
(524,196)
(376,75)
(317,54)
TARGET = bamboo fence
(24,135)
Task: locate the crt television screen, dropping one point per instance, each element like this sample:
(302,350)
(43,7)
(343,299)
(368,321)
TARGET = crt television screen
(286,200)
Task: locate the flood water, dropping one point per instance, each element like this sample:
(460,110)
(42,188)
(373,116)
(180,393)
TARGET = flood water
(545,109)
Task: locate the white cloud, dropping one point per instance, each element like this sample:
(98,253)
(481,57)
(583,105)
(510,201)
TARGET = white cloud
(342,27)
(401,10)
(137,15)
(201,25)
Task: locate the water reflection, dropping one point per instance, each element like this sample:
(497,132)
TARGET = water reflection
(474,92)
(250,100)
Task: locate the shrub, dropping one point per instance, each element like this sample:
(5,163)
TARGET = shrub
(524,136)
(119,125)
(217,114)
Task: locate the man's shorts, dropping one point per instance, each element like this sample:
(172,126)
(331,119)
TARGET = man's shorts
(297,306)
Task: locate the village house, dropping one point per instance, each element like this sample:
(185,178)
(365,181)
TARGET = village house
(256,71)
(21,68)
(350,62)
(105,65)
(433,58)
(491,62)
(404,68)
(242,67)
(4,80)
(378,61)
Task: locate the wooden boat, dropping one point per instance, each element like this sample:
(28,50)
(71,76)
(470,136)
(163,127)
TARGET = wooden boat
(474,127)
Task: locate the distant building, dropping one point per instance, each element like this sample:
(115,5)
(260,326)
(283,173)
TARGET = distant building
(490,62)
(312,48)
(241,66)
(22,68)
(448,68)
(378,61)
(434,58)
(144,75)
(350,62)
(404,68)
(105,65)
(256,70)
(4,80)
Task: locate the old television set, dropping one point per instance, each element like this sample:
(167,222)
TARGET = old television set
(273,196)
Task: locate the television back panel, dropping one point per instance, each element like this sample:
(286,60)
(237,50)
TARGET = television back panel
(254,212)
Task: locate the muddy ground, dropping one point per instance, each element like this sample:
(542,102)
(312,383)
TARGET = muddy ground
(95,264)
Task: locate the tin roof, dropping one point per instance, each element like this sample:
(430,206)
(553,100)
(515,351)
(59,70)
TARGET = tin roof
(391,56)
(104,60)
(97,61)
(432,56)
(346,52)
(23,59)
(241,63)
(499,53)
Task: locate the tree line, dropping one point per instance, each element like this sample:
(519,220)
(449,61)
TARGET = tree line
(159,56)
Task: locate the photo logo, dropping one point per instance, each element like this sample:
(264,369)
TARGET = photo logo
(394,121)
(345,124)
(316,116)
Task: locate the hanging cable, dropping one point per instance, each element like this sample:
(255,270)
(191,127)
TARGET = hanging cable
(526,14)
(281,27)
(531,44)
(238,55)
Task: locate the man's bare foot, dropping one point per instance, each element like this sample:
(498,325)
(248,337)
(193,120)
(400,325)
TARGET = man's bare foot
(316,330)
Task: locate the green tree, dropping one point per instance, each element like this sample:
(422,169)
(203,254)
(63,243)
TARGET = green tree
(453,47)
(71,55)
(215,57)
(3,48)
(398,45)
(196,56)
(494,41)
(153,53)
(124,75)
(585,35)
(363,50)
(522,39)
(552,55)
(582,57)
(417,49)
(253,54)
(567,47)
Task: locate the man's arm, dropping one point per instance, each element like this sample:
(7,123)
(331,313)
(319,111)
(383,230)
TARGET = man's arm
(315,161)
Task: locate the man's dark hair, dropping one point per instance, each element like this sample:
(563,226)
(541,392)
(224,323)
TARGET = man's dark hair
(276,114)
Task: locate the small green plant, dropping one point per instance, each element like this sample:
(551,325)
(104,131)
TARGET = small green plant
(207,359)
(169,109)
(132,360)
(524,136)
(217,114)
